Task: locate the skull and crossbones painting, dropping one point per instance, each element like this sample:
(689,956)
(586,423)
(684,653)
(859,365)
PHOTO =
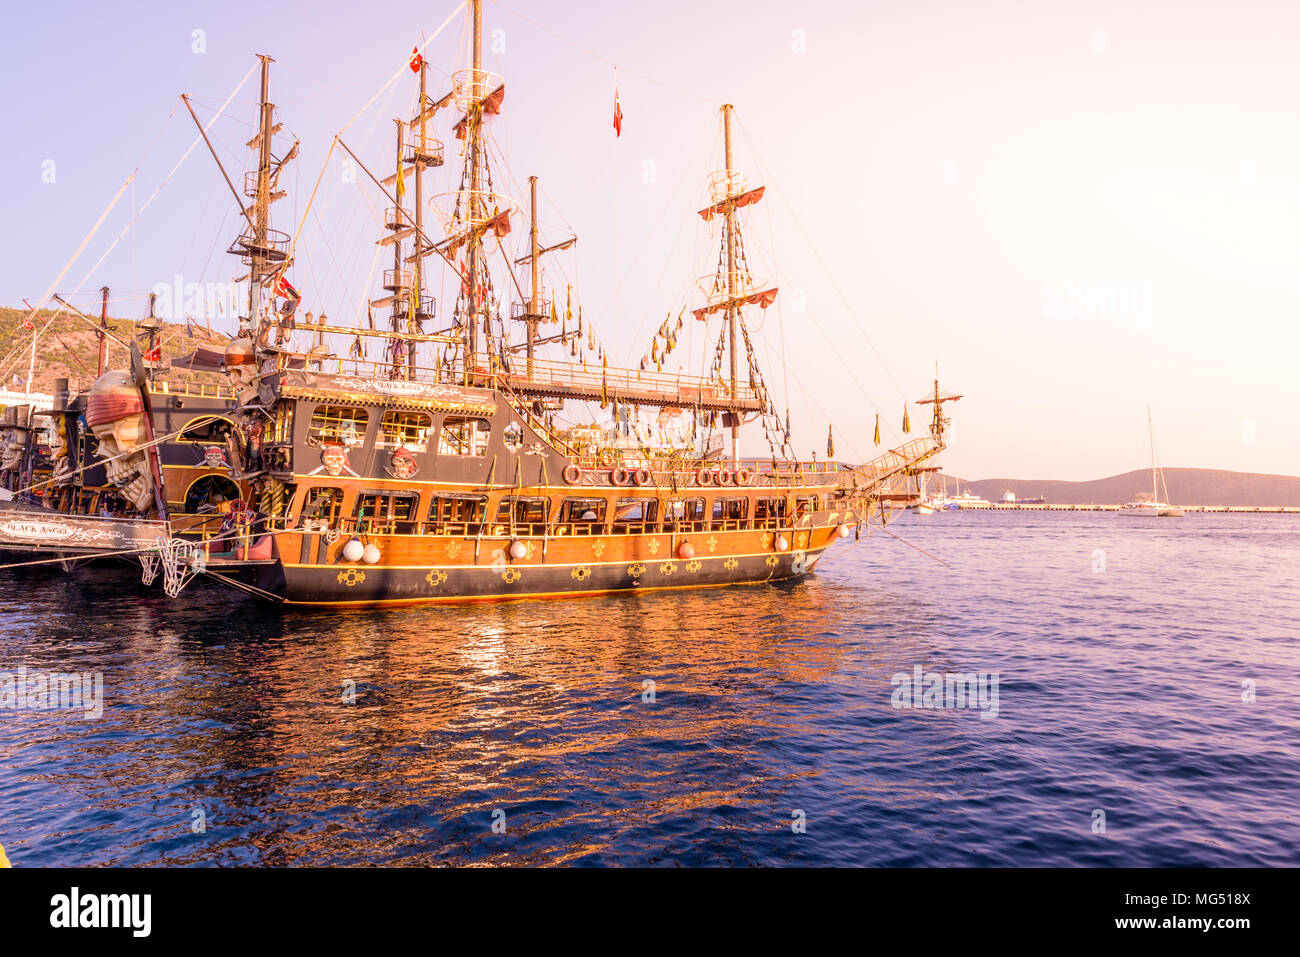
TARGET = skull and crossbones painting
(334,460)
(402,464)
(115,414)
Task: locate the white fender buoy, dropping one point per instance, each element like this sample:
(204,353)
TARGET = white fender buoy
(685,550)
(518,550)
(371,554)
(353,550)
(842,531)
(782,543)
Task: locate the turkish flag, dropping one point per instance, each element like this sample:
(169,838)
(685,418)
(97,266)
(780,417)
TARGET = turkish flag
(618,116)
(416,60)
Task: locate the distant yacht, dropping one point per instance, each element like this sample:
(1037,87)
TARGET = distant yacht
(1151,505)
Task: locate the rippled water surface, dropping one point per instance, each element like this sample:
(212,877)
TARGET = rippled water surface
(1121,648)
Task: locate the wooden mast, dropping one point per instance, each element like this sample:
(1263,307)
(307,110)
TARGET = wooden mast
(733,309)
(474,120)
(397,251)
(103,324)
(417,305)
(261,204)
(536,256)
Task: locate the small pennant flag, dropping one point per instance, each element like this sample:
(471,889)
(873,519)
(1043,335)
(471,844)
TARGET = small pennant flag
(830,441)
(618,116)
(877,428)
(154,354)
(27,324)
(907,425)
(416,60)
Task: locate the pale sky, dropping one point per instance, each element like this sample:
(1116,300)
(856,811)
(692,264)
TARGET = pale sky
(1074,208)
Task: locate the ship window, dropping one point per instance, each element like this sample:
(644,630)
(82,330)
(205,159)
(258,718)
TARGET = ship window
(729,513)
(513,436)
(383,512)
(206,431)
(339,424)
(463,436)
(280,429)
(409,429)
(769,512)
(526,515)
(323,505)
(581,516)
(806,504)
(685,514)
(457,514)
(635,515)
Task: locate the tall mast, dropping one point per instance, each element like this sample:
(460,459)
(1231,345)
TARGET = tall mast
(1152,436)
(536,254)
(474,135)
(400,308)
(261,203)
(418,304)
(733,309)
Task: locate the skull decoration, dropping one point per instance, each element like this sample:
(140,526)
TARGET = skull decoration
(241,366)
(214,457)
(403,464)
(115,414)
(57,438)
(12,444)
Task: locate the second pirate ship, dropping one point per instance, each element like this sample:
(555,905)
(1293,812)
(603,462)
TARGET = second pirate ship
(431,465)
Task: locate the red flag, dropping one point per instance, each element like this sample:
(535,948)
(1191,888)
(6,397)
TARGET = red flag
(154,355)
(618,116)
(27,324)
(283,288)
(416,60)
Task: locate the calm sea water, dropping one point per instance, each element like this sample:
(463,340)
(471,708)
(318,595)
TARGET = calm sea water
(1124,650)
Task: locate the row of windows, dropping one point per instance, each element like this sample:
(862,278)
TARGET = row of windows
(399,512)
(459,435)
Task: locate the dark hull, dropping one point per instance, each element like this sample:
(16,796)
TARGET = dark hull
(356,584)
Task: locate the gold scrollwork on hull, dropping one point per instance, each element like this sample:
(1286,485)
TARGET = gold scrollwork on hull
(636,569)
(771,560)
(731,564)
(581,573)
(511,575)
(653,545)
(694,565)
(767,540)
(352,576)
(598,547)
(667,568)
(453,549)
(711,542)
(436,577)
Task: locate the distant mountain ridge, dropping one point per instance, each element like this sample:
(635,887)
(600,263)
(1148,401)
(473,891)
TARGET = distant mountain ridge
(1186,487)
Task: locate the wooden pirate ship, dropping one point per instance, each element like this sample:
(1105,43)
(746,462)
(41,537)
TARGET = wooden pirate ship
(441,464)
(439,469)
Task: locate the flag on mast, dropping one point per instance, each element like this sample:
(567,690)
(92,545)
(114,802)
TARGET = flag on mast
(416,60)
(618,116)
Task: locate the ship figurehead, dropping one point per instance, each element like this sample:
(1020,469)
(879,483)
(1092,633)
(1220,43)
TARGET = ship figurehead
(115,414)
(57,439)
(13,445)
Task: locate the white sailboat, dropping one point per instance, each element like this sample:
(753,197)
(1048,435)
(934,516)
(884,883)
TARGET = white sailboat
(1152,506)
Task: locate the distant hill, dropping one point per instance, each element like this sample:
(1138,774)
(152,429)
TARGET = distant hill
(1186,487)
(69,348)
